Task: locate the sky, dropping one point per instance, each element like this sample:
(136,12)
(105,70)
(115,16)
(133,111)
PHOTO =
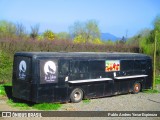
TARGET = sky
(118,17)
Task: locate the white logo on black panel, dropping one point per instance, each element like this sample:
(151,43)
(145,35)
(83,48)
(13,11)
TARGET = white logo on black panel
(22,69)
(50,71)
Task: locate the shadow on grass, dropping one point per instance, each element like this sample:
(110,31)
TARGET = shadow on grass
(8,90)
(25,105)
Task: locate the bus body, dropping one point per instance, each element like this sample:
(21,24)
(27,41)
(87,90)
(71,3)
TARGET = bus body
(60,77)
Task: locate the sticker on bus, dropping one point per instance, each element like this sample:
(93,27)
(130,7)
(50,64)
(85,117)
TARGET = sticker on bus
(48,71)
(112,65)
(22,69)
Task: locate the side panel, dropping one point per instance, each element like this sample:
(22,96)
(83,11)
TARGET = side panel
(52,86)
(22,77)
(126,69)
(51,93)
(149,72)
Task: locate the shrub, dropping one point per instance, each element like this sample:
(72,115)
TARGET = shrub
(5,67)
(49,35)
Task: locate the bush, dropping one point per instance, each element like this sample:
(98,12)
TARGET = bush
(5,67)
(49,35)
(10,47)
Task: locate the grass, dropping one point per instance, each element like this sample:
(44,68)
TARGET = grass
(157,80)
(2,88)
(47,106)
(22,106)
(2,91)
(86,101)
(42,106)
(151,91)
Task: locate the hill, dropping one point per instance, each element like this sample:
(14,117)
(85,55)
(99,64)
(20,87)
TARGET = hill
(108,36)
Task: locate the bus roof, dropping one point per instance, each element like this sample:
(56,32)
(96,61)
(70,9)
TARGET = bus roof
(120,55)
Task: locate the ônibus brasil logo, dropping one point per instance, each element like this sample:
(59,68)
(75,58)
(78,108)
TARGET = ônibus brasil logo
(50,71)
(22,69)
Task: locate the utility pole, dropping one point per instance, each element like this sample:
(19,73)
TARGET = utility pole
(154,64)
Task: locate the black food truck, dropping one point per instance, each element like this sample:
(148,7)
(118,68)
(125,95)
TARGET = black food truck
(61,77)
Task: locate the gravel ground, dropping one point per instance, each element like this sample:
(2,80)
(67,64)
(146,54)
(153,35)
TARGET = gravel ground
(127,102)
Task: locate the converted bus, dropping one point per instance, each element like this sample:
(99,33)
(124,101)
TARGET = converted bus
(62,77)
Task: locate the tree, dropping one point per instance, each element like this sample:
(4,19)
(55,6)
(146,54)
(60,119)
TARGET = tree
(138,39)
(7,29)
(123,40)
(97,41)
(48,34)
(156,40)
(88,31)
(79,39)
(20,30)
(63,36)
(34,31)
(149,42)
(77,29)
(92,30)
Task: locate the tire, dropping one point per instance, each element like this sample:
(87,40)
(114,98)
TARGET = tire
(136,88)
(76,95)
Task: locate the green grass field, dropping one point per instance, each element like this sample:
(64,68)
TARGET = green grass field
(42,106)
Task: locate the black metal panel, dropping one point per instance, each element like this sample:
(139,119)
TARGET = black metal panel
(108,88)
(62,94)
(22,90)
(91,91)
(22,68)
(22,77)
(124,86)
(79,70)
(100,87)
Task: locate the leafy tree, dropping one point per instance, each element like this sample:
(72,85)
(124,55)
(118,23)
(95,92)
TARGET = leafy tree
(7,29)
(97,41)
(87,31)
(63,36)
(92,30)
(147,38)
(79,39)
(156,41)
(77,29)
(157,31)
(48,34)
(138,38)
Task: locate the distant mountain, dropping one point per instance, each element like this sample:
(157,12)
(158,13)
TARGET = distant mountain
(108,36)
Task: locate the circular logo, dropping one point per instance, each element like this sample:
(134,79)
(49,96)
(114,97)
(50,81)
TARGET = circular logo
(22,66)
(49,67)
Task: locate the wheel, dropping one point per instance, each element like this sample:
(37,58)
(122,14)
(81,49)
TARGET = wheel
(136,88)
(76,95)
